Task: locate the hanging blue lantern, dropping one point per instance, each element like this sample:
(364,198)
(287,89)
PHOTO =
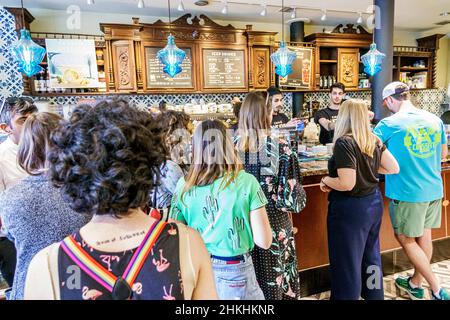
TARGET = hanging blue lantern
(283,59)
(372,60)
(28,54)
(171,57)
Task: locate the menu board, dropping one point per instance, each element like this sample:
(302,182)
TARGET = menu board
(156,78)
(224,68)
(301,76)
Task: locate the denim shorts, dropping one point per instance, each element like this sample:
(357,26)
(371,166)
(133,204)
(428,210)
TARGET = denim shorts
(236,281)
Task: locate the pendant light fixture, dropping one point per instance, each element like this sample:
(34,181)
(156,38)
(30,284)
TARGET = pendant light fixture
(26,52)
(373,59)
(141,4)
(283,58)
(324,15)
(171,56)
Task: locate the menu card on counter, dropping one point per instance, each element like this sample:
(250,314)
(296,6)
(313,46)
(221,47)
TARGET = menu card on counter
(301,76)
(156,78)
(224,68)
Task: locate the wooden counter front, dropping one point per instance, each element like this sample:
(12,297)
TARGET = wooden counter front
(311,239)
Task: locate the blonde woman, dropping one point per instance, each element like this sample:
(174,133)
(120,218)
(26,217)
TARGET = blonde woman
(227,207)
(356,205)
(276,269)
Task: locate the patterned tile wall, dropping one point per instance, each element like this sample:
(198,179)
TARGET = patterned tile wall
(10,78)
(146,101)
(429,100)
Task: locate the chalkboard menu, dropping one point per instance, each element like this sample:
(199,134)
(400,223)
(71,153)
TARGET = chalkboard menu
(301,76)
(224,68)
(156,78)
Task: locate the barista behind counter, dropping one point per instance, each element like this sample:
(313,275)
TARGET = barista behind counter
(279,119)
(326,117)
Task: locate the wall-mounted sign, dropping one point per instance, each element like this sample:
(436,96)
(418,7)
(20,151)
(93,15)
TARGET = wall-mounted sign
(224,68)
(156,78)
(72,63)
(301,76)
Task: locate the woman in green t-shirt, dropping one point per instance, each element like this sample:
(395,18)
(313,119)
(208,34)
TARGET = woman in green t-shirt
(227,206)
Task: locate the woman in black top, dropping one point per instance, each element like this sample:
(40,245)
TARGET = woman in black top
(356,205)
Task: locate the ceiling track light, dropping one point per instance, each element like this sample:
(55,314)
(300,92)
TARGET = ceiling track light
(225,8)
(181,6)
(141,4)
(264,10)
(360,19)
(324,15)
(294,13)
(90,2)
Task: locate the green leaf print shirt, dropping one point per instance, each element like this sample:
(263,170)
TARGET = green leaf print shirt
(221,216)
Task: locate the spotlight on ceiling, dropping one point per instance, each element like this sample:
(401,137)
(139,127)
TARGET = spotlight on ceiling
(360,19)
(264,11)
(324,15)
(180,6)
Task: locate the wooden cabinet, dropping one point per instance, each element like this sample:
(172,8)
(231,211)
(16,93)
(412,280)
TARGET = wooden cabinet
(348,67)
(337,54)
(243,56)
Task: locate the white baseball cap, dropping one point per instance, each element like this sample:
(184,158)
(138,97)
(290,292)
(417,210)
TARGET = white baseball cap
(394,88)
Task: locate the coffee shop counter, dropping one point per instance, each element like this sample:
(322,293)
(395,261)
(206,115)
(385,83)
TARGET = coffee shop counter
(311,238)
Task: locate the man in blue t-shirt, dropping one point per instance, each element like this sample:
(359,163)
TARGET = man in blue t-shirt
(417,140)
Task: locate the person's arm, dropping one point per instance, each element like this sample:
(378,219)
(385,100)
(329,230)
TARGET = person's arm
(262,232)
(345,157)
(345,181)
(176,213)
(388,164)
(205,288)
(444,146)
(327,124)
(38,283)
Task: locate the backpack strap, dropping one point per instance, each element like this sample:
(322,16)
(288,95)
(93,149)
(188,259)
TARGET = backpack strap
(103,276)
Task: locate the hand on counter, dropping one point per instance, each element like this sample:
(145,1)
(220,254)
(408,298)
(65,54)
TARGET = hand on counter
(324,187)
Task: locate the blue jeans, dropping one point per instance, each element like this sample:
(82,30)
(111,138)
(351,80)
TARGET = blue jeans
(236,281)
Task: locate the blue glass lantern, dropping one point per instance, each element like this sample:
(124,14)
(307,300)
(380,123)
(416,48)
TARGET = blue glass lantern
(283,59)
(28,54)
(171,57)
(372,60)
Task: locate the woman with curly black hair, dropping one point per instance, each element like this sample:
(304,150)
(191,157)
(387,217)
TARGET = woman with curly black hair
(105,160)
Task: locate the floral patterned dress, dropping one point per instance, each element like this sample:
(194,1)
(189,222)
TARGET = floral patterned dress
(276,268)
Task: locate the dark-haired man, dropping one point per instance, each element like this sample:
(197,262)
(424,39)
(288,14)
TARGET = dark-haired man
(326,118)
(13,113)
(279,119)
(417,139)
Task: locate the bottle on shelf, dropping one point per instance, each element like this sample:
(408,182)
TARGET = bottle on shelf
(42,84)
(37,84)
(321,82)
(325,82)
(47,81)
(330,81)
